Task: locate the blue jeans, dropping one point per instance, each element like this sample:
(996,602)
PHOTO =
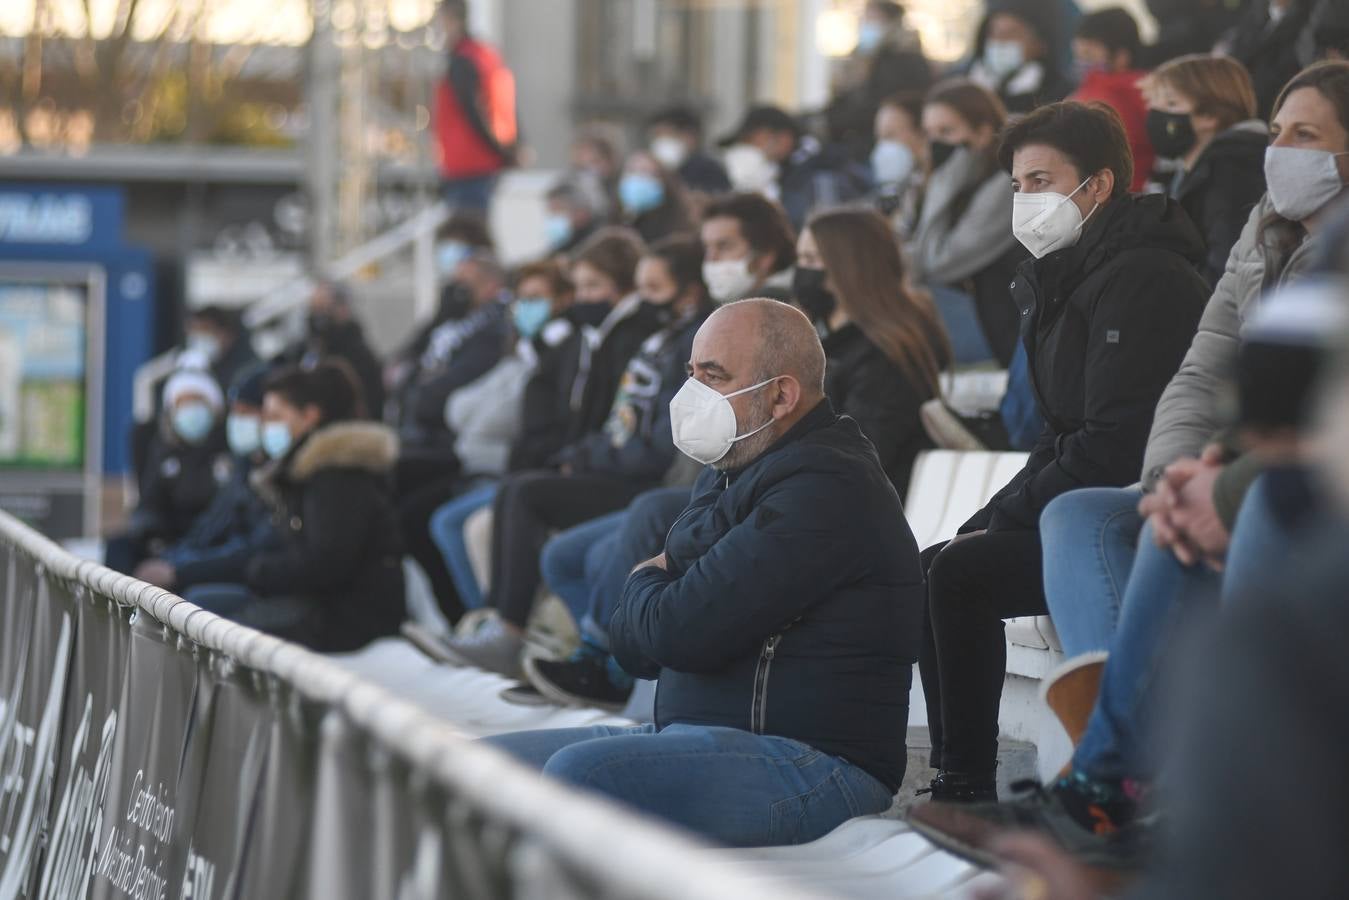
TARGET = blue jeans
(1090,537)
(473,194)
(238,604)
(729,786)
(648,520)
(572,560)
(1161,594)
(1260,547)
(961,318)
(1018,410)
(447,530)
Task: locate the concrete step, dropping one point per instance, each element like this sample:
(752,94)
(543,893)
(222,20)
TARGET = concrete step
(1016,761)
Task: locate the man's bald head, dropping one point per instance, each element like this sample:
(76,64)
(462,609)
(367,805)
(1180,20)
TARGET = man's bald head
(783,341)
(766,358)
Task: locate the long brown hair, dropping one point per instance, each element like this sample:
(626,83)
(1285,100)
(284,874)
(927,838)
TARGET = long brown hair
(862,260)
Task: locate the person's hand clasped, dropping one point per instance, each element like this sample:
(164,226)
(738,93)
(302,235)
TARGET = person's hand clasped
(657,561)
(1181,511)
(157,572)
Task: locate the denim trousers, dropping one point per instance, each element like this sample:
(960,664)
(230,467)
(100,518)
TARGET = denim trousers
(1161,600)
(728,786)
(1090,537)
(238,604)
(592,561)
(447,530)
(473,193)
(961,318)
(572,560)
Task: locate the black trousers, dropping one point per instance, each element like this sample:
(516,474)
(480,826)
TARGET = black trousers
(414,518)
(529,507)
(972,585)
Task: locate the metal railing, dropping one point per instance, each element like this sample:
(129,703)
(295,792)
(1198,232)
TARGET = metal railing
(456,818)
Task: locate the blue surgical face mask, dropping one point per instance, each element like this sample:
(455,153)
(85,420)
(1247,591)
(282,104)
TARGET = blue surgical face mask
(531,314)
(244,434)
(869,36)
(449,254)
(640,193)
(193,422)
(1003,57)
(276,439)
(891,162)
(558,229)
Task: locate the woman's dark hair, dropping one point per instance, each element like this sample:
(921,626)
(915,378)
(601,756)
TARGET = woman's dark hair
(763,224)
(973,102)
(331,386)
(551,271)
(1330,78)
(614,251)
(1112,28)
(683,258)
(1091,135)
(863,262)
(469,227)
(911,104)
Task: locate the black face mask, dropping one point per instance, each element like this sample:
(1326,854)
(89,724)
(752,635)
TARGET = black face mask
(1172,134)
(941,151)
(456,300)
(662,313)
(321,324)
(591,314)
(815,300)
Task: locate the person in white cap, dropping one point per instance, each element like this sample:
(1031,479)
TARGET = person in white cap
(186,463)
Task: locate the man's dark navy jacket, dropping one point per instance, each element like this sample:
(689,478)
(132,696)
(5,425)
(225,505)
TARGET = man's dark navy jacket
(792,604)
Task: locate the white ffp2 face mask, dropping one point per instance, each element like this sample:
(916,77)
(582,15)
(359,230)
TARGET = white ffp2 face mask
(703,421)
(728,279)
(1300,182)
(1048,221)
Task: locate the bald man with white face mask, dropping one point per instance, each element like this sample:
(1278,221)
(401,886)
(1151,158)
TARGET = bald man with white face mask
(782,620)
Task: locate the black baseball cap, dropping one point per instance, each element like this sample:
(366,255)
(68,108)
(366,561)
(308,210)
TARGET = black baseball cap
(772,118)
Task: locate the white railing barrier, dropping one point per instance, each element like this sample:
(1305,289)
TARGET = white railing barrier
(150,749)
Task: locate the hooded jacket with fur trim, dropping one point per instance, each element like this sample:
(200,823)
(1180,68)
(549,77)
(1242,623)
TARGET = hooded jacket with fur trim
(332,502)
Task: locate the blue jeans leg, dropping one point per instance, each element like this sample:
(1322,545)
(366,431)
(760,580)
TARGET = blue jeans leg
(729,786)
(473,194)
(1260,549)
(961,318)
(1160,594)
(1090,538)
(1018,409)
(564,561)
(238,604)
(649,519)
(447,530)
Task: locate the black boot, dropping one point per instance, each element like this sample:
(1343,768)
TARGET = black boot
(963,787)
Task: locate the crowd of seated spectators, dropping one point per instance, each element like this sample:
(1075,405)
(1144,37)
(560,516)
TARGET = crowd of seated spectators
(695,418)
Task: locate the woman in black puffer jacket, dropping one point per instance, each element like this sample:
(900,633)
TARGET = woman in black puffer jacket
(337,582)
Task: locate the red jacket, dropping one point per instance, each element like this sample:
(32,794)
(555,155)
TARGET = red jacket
(1119,91)
(474,112)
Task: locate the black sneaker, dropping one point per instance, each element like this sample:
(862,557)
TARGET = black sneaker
(583,680)
(1095,824)
(962,787)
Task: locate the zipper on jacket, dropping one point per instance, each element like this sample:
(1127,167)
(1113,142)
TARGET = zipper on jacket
(758,710)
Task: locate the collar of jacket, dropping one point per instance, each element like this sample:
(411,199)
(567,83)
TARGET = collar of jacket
(369,446)
(817,418)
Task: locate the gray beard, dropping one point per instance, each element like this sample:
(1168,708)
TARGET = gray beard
(742,453)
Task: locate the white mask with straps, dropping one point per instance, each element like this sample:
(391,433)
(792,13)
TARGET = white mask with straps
(1301,182)
(1048,221)
(703,420)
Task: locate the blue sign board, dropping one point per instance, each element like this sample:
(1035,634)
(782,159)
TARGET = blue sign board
(76,224)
